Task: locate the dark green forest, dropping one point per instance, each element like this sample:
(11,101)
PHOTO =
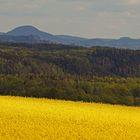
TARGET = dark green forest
(105,75)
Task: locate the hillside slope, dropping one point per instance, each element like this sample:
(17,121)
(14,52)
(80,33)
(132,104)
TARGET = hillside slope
(70,59)
(29,118)
(70,73)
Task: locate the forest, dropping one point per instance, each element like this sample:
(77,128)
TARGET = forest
(56,71)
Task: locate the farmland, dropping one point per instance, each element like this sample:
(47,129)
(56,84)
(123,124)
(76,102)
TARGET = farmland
(31,118)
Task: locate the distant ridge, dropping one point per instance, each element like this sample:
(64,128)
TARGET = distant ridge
(31,30)
(1,33)
(43,37)
(23,30)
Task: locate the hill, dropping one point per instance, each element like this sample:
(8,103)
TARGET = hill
(96,74)
(29,118)
(30,30)
(95,61)
(123,42)
(20,39)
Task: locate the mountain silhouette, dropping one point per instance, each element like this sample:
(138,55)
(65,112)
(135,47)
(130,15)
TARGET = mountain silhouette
(37,36)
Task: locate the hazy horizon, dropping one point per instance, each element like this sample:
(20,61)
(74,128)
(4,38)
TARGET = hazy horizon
(90,18)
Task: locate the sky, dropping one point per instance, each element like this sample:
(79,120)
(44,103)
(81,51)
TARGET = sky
(85,18)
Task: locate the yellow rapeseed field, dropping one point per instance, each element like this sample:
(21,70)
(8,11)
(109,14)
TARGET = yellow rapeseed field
(43,119)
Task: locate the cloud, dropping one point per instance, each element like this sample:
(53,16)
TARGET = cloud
(21,6)
(133,2)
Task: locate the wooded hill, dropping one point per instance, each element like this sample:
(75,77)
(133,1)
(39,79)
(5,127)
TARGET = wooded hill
(72,73)
(37,59)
